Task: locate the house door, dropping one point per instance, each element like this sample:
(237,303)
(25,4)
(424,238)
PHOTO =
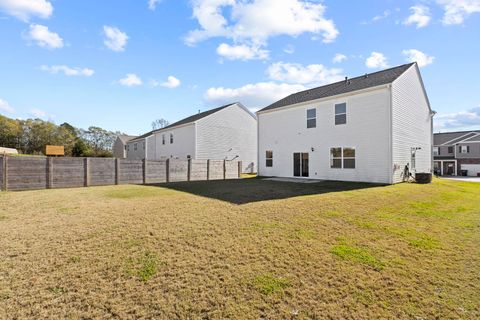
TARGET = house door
(300,165)
(448,168)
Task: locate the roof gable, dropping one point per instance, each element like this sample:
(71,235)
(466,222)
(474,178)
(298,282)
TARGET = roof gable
(346,86)
(450,138)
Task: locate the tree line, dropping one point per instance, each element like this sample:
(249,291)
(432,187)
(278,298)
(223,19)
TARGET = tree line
(32,135)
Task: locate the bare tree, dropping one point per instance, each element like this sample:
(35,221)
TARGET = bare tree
(159,124)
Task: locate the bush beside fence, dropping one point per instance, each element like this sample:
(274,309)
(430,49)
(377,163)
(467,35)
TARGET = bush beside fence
(30,173)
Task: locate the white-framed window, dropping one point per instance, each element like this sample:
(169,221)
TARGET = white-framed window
(464,149)
(340,113)
(311,118)
(269,158)
(436,151)
(163,138)
(342,158)
(135,147)
(171,138)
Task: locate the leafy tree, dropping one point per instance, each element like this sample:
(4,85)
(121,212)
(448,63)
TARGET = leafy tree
(159,124)
(80,149)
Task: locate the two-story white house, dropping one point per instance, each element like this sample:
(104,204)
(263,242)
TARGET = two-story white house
(225,133)
(365,129)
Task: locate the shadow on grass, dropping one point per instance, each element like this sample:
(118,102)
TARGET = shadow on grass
(245,191)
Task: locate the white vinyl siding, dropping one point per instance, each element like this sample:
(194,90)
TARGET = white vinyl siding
(411,125)
(284,132)
(229,134)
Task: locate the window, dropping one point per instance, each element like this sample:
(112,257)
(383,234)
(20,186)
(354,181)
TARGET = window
(171,138)
(436,151)
(450,149)
(349,158)
(340,113)
(464,149)
(311,118)
(163,139)
(336,158)
(269,158)
(413,160)
(135,147)
(342,158)
(128,147)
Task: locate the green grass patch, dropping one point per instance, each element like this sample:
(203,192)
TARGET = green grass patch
(144,267)
(269,284)
(424,243)
(131,192)
(357,254)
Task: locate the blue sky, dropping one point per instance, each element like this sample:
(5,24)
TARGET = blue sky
(122,64)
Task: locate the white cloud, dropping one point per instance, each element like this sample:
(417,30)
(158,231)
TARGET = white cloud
(298,74)
(152,4)
(376,60)
(459,120)
(256,95)
(25,9)
(456,11)
(68,71)
(43,37)
(171,83)
(338,58)
(116,40)
(253,22)
(382,16)
(242,52)
(6,107)
(420,16)
(37,113)
(414,55)
(130,80)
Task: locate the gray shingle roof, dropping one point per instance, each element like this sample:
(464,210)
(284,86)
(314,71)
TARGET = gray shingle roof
(187,120)
(441,138)
(359,83)
(125,138)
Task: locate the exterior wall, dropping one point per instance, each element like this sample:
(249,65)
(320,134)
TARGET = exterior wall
(183,144)
(471,164)
(229,134)
(138,154)
(285,132)
(473,153)
(411,124)
(119,149)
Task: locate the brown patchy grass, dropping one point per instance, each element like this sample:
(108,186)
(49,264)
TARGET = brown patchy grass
(243,249)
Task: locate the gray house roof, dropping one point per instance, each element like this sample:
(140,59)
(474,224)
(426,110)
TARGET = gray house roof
(187,120)
(455,137)
(345,86)
(125,138)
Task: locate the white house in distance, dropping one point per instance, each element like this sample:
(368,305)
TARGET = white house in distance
(225,133)
(365,129)
(120,146)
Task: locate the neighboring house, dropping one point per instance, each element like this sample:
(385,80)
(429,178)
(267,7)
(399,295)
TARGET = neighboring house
(368,128)
(456,151)
(225,133)
(120,146)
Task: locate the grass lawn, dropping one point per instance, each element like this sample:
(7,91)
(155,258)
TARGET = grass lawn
(242,249)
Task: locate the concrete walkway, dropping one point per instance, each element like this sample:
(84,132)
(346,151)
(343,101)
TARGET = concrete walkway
(466,179)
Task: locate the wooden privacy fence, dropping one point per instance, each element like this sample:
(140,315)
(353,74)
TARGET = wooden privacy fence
(30,173)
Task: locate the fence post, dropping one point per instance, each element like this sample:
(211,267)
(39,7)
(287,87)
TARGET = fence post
(224,169)
(144,170)
(189,169)
(167,168)
(117,171)
(208,169)
(239,169)
(49,172)
(4,171)
(86,172)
